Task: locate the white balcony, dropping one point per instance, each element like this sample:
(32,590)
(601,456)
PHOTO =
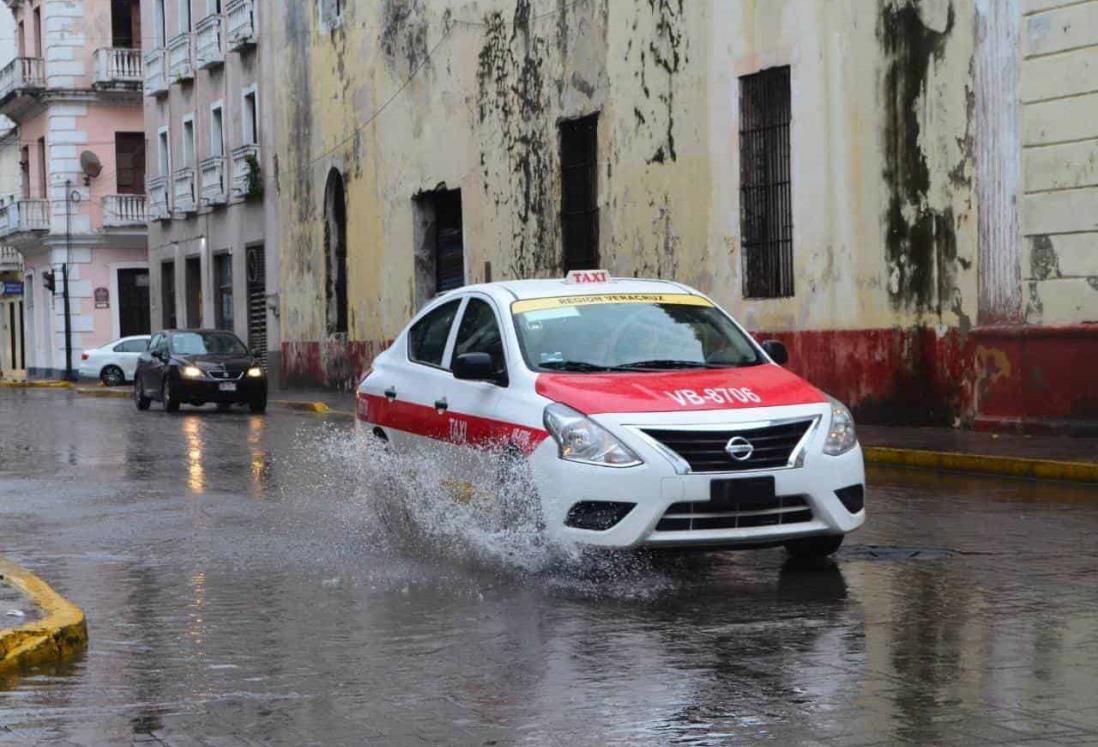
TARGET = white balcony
(247,178)
(22,74)
(241,23)
(209,43)
(212,172)
(158,206)
(123,211)
(180,58)
(184,199)
(23,216)
(10,259)
(156,78)
(118,68)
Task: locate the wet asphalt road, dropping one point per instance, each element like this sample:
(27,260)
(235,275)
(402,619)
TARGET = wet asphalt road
(242,587)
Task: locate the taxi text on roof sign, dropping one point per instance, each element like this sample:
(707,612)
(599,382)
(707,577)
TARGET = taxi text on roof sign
(587,276)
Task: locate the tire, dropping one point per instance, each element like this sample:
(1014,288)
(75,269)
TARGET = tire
(171,403)
(814,547)
(258,405)
(112,376)
(139,397)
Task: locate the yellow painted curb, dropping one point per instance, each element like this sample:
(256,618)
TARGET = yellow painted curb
(1042,469)
(294,404)
(36,384)
(61,632)
(102,391)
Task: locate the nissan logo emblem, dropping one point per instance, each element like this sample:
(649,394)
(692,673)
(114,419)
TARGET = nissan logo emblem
(739,448)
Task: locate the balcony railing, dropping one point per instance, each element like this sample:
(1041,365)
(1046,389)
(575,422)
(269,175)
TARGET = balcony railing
(10,259)
(156,78)
(118,67)
(158,206)
(22,74)
(24,215)
(184,199)
(209,44)
(247,180)
(180,58)
(120,211)
(241,23)
(212,171)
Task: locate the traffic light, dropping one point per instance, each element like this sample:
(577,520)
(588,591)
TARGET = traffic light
(48,281)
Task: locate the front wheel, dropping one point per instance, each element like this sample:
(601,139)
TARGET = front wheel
(814,547)
(112,376)
(258,405)
(167,396)
(139,397)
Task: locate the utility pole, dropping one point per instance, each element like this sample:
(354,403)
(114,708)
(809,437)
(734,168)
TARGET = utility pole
(65,281)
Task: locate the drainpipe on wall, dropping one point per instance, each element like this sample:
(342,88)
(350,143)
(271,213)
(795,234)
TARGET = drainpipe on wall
(65,281)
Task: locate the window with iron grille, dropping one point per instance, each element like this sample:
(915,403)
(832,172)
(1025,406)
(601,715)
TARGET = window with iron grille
(579,193)
(766,208)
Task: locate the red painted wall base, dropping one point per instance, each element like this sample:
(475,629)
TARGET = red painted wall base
(1033,379)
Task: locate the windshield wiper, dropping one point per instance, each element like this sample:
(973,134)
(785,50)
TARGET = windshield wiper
(581,366)
(671,363)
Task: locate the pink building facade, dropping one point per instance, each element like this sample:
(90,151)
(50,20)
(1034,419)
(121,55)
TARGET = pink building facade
(74,92)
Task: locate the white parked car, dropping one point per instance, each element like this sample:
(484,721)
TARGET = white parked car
(646,414)
(115,362)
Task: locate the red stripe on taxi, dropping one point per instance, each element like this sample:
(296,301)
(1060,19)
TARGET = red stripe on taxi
(454,427)
(766,385)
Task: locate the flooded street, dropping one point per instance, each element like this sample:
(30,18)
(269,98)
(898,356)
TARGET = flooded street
(244,583)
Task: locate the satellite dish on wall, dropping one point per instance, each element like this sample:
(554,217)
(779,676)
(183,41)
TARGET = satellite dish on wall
(91,164)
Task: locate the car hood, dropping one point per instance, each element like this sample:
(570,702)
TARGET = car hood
(766,385)
(206,362)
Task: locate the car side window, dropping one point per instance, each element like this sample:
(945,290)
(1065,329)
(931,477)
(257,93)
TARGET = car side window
(479,333)
(153,343)
(427,338)
(130,346)
(161,345)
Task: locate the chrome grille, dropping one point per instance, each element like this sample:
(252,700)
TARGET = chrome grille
(772,446)
(687,516)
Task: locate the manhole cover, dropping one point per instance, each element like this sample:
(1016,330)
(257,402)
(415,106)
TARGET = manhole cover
(877,552)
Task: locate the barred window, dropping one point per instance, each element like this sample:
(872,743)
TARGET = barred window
(766,210)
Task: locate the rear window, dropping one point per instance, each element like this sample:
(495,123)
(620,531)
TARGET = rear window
(427,338)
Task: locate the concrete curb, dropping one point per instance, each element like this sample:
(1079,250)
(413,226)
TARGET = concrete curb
(1037,469)
(36,384)
(102,391)
(61,633)
(319,408)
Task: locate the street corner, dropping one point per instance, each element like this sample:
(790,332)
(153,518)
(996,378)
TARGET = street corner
(49,628)
(320,408)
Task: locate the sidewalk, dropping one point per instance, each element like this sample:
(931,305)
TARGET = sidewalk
(1047,457)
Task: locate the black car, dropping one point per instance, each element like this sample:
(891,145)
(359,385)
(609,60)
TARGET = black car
(196,366)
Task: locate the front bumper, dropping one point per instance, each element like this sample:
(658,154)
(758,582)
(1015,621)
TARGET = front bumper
(248,389)
(656,485)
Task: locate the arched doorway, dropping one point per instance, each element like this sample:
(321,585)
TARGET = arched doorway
(335,252)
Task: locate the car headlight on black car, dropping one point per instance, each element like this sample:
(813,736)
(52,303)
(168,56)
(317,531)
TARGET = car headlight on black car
(841,437)
(582,440)
(255,372)
(192,372)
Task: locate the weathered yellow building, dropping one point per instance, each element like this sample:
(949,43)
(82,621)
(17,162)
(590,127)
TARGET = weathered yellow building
(845,174)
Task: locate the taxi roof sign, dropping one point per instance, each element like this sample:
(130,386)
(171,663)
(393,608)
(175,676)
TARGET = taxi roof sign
(578,277)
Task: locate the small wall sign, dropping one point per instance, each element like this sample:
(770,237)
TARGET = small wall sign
(102,298)
(11,288)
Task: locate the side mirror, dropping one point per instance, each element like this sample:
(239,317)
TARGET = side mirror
(475,367)
(777,352)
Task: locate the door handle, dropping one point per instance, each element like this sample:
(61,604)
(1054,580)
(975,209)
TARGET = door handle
(391,393)
(441,405)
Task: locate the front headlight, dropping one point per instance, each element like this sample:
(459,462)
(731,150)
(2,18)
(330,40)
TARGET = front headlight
(841,437)
(192,372)
(581,440)
(255,372)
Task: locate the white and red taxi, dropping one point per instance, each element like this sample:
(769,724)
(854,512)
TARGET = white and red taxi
(647,415)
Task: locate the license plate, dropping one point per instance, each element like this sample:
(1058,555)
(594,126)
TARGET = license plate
(227,387)
(743,494)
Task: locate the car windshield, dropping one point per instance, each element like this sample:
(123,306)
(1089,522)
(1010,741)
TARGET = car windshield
(207,343)
(629,332)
